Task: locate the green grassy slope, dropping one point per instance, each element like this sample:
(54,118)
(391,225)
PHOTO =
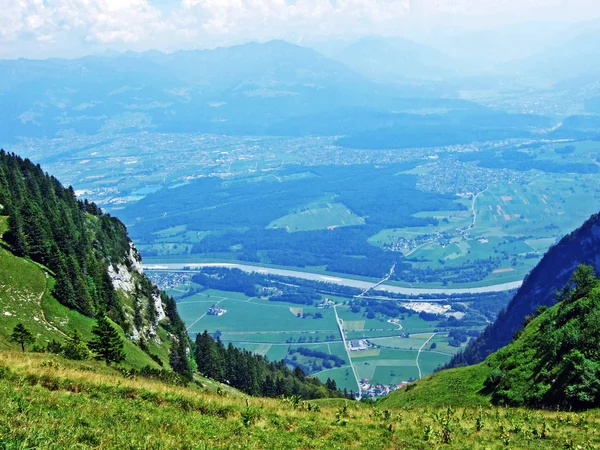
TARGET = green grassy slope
(22,287)
(25,297)
(50,402)
(553,363)
(455,387)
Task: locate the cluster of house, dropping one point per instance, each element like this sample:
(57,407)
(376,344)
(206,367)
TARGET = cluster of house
(378,390)
(326,304)
(214,310)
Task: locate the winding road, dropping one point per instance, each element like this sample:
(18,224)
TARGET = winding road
(473,209)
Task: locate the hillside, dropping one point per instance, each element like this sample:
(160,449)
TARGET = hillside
(63,263)
(570,57)
(49,402)
(26,298)
(552,363)
(550,275)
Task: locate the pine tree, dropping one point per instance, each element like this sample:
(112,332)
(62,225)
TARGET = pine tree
(331,384)
(178,358)
(75,348)
(63,288)
(298,372)
(203,354)
(22,336)
(138,320)
(107,344)
(15,236)
(280,387)
(219,356)
(269,389)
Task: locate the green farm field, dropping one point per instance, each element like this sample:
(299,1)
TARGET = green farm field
(343,377)
(251,316)
(277,352)
(356,321)
(318,216)
(515,223)
(393,366)
(273,329)
(287,337)
(412,343)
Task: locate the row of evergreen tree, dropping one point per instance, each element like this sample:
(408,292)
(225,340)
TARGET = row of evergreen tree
(255,374)
(78,242)
(73,238)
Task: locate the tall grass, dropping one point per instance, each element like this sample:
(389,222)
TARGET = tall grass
(50,402)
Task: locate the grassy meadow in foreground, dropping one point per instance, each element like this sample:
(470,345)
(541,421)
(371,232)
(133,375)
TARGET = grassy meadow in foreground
(50,402)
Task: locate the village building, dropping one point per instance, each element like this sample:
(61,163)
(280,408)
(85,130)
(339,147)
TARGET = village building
(358,345)
(214,310)
(326,304)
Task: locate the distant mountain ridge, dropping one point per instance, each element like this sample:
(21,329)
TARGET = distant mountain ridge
(573,56)
(272,88)
(261,89)
(396,60)
(243,89)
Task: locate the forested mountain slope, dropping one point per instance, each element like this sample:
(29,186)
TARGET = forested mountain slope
(554,362)
(553,272)
(56,247)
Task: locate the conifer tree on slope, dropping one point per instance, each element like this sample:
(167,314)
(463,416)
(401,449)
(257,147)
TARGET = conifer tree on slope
(75,348)
(106,343)
(22,336)
(178,358)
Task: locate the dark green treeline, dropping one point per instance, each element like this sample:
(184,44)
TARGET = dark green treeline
(254,374)
(73,238)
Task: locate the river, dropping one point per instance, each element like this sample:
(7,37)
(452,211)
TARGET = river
(337,280)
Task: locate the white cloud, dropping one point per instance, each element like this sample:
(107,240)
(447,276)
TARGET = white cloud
(52,26)
(264,19)
(509,11)
(103,21)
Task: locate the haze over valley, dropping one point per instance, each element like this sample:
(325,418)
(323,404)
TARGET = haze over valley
(305,201)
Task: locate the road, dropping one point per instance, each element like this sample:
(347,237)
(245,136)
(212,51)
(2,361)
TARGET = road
(340,323)
(362,294)
(419,353)
(201,317)
(359,284)
(473,209)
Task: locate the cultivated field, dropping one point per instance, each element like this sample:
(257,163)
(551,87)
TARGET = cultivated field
(318,216)
(273,329)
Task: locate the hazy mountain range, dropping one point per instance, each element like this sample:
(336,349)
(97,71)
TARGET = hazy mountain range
(280,88)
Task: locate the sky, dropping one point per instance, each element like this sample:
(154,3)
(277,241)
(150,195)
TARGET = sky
(69,28)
